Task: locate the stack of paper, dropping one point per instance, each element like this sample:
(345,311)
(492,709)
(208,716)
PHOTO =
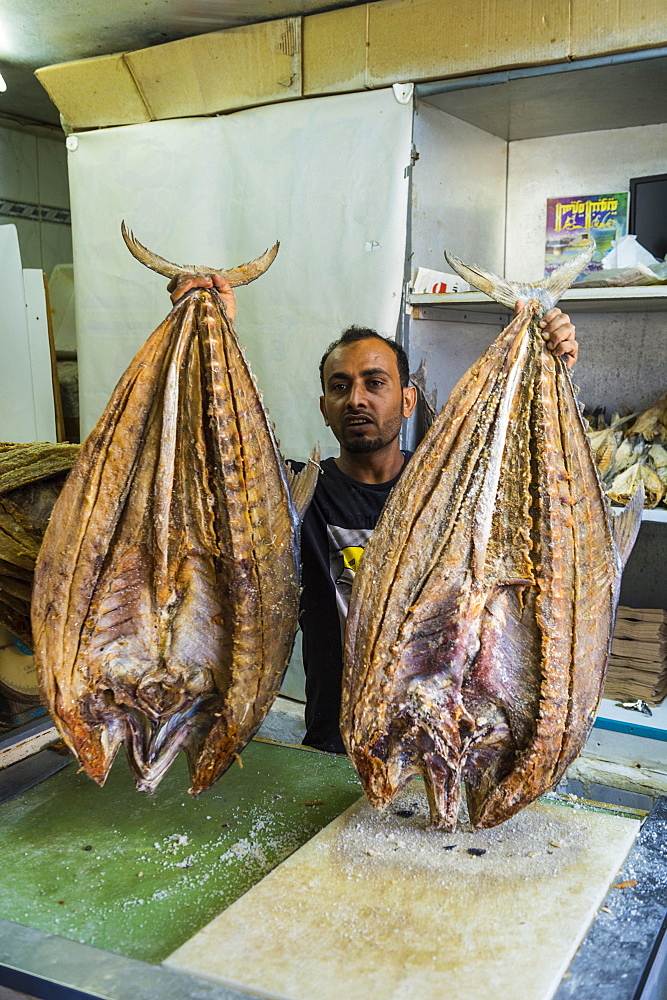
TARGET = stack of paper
(638,662)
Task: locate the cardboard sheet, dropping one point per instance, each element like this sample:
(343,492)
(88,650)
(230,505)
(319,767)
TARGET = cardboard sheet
(379,905)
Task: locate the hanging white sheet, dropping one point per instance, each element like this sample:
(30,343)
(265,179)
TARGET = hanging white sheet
(325,176)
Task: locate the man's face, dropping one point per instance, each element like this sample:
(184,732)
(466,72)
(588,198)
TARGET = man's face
(363,402)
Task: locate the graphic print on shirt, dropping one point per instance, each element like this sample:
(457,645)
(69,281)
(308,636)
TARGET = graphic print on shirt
(346,546)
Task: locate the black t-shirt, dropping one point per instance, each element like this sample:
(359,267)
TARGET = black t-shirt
(340,520)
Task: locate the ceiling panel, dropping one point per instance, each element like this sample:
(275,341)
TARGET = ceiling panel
(529,104)
(35,33)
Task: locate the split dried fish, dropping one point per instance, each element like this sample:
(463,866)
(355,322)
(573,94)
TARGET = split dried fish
(624,454)
(481,616)
(31,477)
(657,455)
(166,589)
(652,424)
(625,484)
(604,445)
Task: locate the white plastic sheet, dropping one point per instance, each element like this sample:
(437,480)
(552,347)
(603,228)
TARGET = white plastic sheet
(325,176)
(26,390)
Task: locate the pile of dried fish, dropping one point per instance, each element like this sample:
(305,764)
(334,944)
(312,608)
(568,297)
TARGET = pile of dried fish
(166,590)
(481,616)
(31,477)
(630,450)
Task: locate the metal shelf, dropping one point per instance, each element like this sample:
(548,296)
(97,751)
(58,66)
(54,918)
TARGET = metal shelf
(655,514)
(644,298)
(624,720)
(581,95)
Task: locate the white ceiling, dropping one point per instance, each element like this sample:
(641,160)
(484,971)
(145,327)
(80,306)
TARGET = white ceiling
(36,33)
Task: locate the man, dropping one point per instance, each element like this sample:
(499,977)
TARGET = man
(365,397)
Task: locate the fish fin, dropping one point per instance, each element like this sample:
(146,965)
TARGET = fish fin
(418,378)
(491,284)
(241,275)
(560,280)
(428,401)
(245,273)
(147,257)
(626,524)
(302,484)
(547,292)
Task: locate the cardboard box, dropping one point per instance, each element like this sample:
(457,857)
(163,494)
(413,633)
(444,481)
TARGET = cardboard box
(603,26)
(426,39)
(220,71)
(369,45)
(90,93)
(334,51)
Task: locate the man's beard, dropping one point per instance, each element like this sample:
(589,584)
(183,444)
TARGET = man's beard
(364,445)
(367,445)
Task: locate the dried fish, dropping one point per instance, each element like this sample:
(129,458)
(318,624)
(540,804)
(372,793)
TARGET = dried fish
(652,424)
(625,484)
(481,616)
(31,477)
(427,402)
(657,455)
(636,436)
(166,589)
(604,445)
(625,455)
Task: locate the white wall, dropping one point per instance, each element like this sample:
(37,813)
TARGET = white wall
(458,192)
(34,170)
(623,356)
(458,204)
(562,165)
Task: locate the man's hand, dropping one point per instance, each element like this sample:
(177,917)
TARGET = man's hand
(182,283)
(559,333)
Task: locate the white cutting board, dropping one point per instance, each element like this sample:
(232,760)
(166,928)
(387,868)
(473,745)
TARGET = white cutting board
(376,905)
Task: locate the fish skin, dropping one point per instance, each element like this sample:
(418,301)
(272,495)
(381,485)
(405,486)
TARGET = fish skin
(481,616)
(166,589)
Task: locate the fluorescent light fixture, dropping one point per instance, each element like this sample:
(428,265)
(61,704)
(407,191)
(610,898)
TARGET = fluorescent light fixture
(3,85)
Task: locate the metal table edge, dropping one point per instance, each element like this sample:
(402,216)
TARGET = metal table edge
(49,967)
(610,963)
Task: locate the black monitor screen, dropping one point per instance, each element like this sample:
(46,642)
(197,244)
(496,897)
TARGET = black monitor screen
(648,213)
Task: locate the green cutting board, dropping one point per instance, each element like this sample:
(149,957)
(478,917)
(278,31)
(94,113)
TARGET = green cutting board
(140,874)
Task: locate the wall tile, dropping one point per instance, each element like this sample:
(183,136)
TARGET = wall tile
(29,241)
(52,172)
(18,166)
(56,246)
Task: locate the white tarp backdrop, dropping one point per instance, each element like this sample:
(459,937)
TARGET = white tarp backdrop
(324,176)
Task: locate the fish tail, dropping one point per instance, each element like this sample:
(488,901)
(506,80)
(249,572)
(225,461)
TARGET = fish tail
(506,292)
(546,292)
(241,275)
(560,280)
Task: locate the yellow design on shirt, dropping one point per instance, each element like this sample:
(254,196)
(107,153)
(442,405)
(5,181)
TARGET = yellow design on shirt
(352,557)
